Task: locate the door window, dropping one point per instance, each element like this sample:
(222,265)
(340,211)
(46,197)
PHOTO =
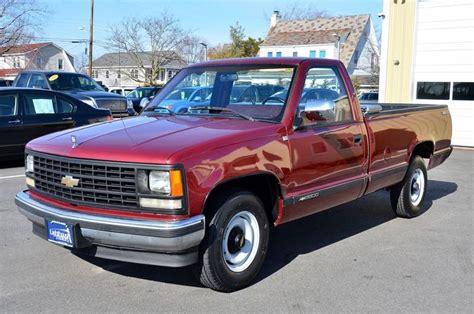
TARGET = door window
(37,81)
(324,99)
(22,80)
(8,105)
(64,106)
(40,104)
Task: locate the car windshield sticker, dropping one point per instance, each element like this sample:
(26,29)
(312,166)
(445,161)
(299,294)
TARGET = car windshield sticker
(53,77)
(43,105)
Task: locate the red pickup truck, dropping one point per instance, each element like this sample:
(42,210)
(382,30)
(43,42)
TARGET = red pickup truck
(274,140)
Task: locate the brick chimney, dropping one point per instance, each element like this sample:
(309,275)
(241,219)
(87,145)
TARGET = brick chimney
(274,19)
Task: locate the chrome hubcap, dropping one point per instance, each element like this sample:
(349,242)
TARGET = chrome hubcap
(240,242)
(417,187)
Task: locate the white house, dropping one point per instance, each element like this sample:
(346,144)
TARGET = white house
(121,70)
(431,58)
(351,39)
(37,56)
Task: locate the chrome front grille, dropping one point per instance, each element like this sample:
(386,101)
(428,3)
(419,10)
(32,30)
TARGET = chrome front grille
(100,183)
(114,104)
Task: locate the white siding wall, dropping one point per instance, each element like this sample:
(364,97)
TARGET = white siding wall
(100,74)
(444,52)
(303,50)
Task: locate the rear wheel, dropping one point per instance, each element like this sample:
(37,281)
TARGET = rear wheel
(236,243)
(407,197)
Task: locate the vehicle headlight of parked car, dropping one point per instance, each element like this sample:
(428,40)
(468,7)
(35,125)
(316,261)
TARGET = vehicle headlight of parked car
(161,189)
(90,101)
(129,104)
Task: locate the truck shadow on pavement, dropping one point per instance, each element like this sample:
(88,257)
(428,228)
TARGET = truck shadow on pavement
(299,237)
(14,163)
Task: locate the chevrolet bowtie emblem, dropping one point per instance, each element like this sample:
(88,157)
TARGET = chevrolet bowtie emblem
(69,181)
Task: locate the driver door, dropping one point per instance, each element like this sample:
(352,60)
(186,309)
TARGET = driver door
(328,148)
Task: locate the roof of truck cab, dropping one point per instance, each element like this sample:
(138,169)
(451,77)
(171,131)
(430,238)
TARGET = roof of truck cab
(46,72)
(289,61)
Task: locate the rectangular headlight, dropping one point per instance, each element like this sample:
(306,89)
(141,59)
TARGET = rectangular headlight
(30,163)
(159,181)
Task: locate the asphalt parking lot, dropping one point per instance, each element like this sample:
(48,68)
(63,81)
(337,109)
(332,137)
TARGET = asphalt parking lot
(354,258)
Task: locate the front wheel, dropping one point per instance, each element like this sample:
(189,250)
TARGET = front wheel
(236,243)
(407,197)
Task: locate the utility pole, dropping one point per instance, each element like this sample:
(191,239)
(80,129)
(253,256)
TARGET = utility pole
(91,36)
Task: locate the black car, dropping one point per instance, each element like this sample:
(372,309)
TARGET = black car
(140,96)
(76,85)
(27,113)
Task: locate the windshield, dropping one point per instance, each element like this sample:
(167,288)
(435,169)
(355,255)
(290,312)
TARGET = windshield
(242,90)
(140,93)
(180,94)
(70,81)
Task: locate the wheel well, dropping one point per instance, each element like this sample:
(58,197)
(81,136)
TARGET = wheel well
(424,150)
(265,186)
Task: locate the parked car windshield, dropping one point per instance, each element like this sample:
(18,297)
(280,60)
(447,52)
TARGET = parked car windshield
(239,91)
(70,81)
(140,93)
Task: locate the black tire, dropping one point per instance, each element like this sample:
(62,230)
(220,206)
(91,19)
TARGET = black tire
(213,269)
(403,196)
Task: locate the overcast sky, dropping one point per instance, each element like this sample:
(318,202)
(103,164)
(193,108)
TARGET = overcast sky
(209,19)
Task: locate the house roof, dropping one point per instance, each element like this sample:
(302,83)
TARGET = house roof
(8,72)
(26,48)
(320,31)
(127,60)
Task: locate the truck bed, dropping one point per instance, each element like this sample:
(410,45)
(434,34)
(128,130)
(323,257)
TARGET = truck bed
(396,108)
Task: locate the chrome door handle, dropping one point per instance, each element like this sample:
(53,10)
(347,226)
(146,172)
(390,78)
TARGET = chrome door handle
(67,119)
(17,121)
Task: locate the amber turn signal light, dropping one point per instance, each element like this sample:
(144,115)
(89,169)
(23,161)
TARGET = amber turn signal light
(176,182)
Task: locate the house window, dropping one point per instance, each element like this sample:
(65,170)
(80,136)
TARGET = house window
(278,54)
(170,74)
(39,62)
(463,91)
(295,53)
(322,53)
(269,54)
(107,74)
(312,53)
(432,90)
(162,75)
(60,64)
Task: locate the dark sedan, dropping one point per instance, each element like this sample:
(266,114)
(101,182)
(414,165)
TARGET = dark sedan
(26,114)
(76,85)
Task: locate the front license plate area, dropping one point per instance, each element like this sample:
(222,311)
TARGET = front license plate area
(60,233)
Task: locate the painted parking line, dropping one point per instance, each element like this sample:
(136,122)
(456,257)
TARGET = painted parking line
(11,177)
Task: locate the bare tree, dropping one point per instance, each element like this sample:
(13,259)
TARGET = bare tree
(19,19)
(297,10)
(192,51)
(151,43)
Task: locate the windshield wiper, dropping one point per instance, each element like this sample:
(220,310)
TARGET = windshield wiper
(222,109)
(155,108)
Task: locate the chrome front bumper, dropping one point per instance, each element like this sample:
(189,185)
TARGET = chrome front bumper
(164,243)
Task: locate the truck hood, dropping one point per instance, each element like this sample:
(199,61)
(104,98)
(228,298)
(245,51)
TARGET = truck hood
(94,94)
(152,139)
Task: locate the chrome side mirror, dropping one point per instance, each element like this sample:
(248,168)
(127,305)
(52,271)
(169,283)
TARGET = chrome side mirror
(318,110)
(370,108)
